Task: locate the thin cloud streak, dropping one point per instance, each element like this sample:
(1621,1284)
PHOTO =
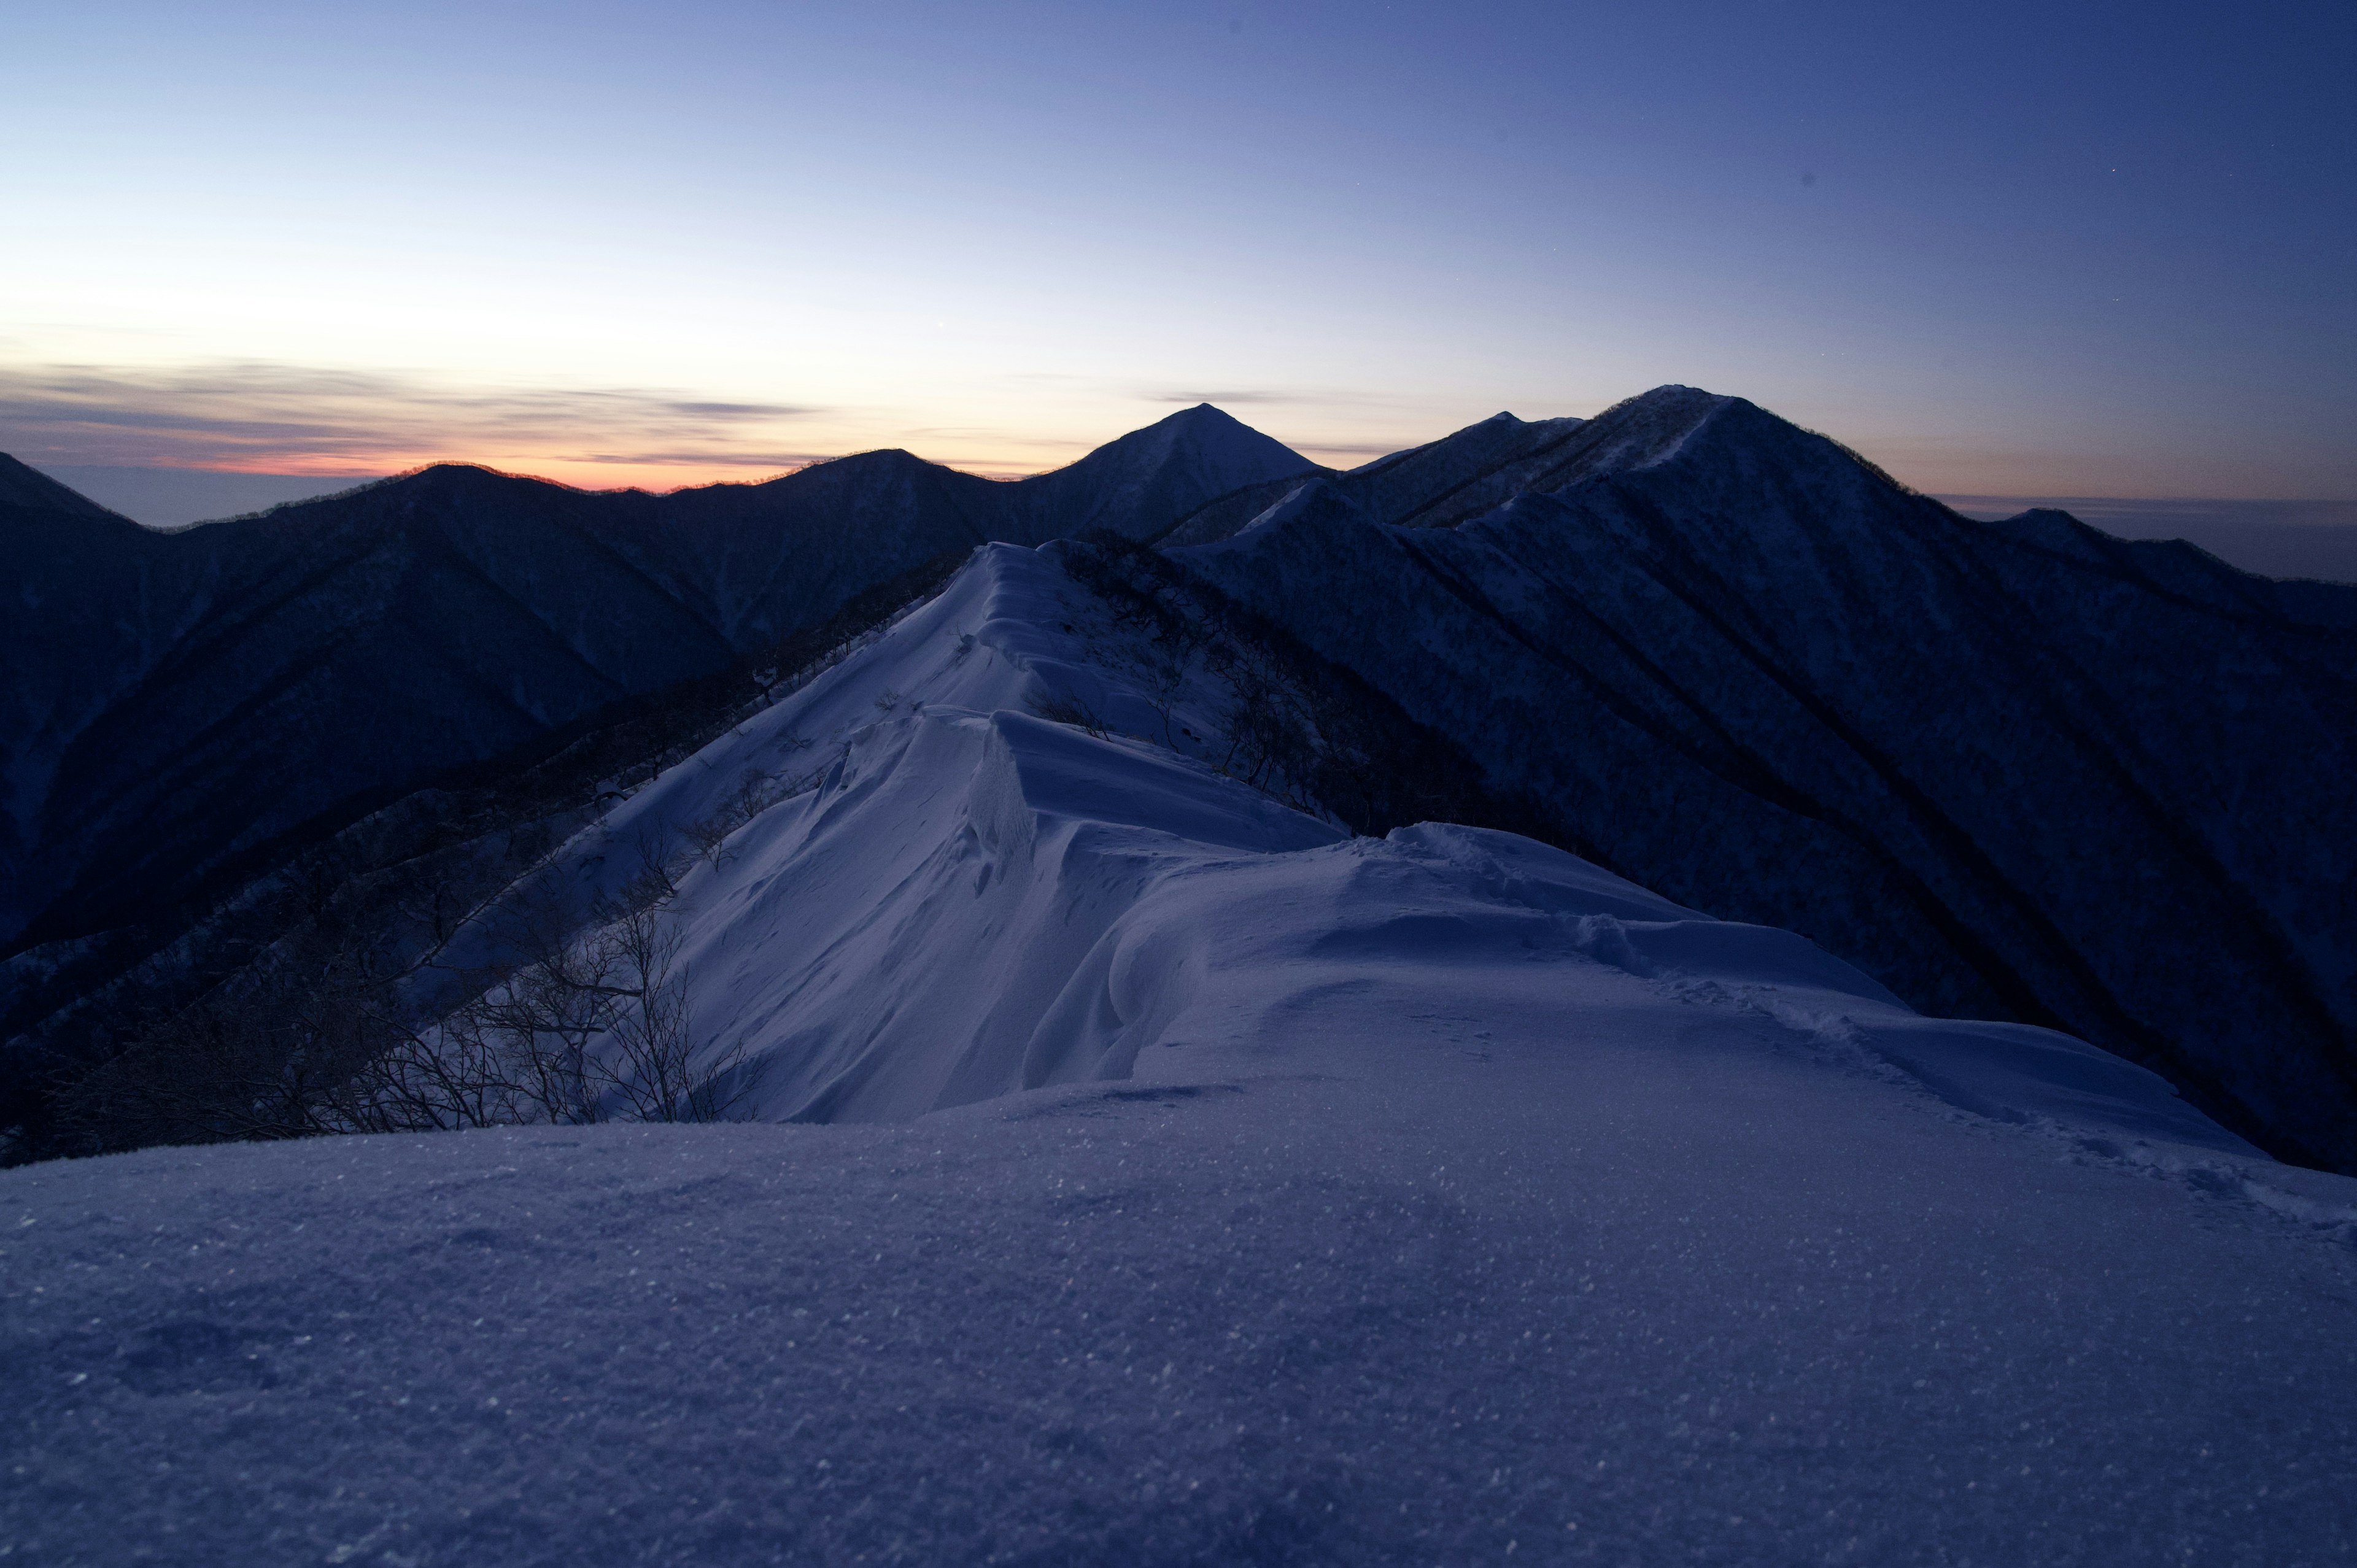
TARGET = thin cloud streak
(265,417)
(1228,399)
(1364,450)
(774,461)
(1279,397)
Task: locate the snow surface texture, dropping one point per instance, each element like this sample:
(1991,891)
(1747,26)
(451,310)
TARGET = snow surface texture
(1202,1186)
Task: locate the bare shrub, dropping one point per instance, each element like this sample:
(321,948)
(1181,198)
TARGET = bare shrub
(599,1031)
(1058,709)
(710,837)
(755,793)
(656,880)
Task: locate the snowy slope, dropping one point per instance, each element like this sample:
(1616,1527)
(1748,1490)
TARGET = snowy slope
(974,902)
(969,899)
(1199,1186)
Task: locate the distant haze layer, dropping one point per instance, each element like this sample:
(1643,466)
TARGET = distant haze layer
(2275,539)
(173,498)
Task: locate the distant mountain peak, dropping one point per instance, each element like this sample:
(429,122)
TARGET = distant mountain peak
(1201,410)
(1201,424)
(1685,426)
(1197,453)
(23,486)
(875,457)
(450,476)
(1658,422)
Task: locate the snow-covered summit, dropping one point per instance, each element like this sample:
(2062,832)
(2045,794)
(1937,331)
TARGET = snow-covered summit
(1138,484)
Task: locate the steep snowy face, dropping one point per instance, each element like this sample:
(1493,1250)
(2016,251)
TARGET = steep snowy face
(1467,475)
(1641,431)
(2021,771)
(1292,505)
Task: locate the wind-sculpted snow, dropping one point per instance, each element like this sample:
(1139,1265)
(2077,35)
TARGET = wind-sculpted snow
(952,898)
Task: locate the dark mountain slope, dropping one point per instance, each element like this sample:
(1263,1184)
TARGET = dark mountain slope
(1439,484)
(342,648)
(1463,475)
(92,600)
(175,699)
(2016,771)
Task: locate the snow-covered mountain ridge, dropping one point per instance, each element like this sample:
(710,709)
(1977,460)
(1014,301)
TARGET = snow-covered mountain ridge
(2014,771)
(969,900)
(1197,1183)
(177,700)
(966,900)
(2018,769)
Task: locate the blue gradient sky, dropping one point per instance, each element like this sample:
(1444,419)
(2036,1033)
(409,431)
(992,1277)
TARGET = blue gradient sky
(2002,248)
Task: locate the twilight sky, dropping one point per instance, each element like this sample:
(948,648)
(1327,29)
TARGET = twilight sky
(2002,248)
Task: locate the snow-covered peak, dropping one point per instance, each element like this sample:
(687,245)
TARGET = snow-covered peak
(1642,432)
(1140,483)
(1654,426)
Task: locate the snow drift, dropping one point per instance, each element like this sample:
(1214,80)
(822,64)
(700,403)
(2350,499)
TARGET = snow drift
(970,900)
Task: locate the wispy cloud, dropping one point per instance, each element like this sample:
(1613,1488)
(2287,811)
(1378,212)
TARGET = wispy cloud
(270,417)
(1285,397)
(1361,449)
(1228,399)
(768,461)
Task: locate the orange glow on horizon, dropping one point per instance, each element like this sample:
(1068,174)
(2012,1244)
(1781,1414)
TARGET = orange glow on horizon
(576,473)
